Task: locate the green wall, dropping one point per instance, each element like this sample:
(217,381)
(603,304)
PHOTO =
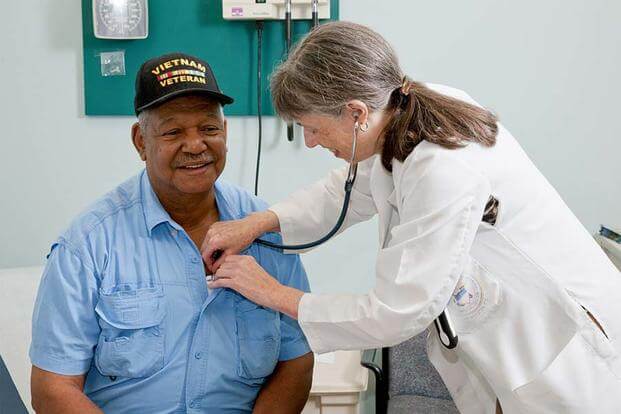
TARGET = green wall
(195,27)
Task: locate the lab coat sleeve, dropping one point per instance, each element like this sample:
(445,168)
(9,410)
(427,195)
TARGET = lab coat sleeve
(441,203)
(310,213)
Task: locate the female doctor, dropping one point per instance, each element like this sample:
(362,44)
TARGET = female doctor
(466,223)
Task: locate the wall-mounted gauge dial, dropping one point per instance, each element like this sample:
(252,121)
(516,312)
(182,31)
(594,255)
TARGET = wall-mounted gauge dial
(120,19)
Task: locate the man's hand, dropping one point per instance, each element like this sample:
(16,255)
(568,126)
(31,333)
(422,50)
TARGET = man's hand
(287,389)
(63,394)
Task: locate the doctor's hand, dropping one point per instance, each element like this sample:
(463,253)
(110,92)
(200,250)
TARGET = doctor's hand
(231,237)
(244,275)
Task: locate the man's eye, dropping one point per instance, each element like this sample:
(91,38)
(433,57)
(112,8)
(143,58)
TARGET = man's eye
(209,129)
(172,132)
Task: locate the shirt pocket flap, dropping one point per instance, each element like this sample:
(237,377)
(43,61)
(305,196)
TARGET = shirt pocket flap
(247,306)
(135,309)
(257,322)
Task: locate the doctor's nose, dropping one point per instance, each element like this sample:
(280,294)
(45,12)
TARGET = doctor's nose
(310,139)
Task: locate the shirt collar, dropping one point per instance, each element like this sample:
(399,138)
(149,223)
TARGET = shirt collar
(226,208)
(155,214)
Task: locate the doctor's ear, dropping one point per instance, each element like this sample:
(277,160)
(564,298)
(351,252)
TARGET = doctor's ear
(357,110)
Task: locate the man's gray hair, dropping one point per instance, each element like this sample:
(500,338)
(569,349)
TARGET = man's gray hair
(143,120)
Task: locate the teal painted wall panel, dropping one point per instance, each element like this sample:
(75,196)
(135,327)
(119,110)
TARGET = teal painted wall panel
(195,27)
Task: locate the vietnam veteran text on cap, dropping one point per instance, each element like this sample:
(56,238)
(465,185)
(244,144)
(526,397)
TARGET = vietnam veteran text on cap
(163,78)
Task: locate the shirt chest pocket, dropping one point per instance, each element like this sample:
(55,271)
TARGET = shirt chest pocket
(131,343)
(258,339)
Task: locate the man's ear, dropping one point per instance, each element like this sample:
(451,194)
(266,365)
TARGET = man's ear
(226,130)
(138,140)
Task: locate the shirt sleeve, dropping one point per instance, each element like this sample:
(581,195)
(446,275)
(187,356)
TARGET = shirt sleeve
(310,213)
(440,208)
(64,324)
(293,342)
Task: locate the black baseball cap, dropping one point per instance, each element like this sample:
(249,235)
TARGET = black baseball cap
(169,76)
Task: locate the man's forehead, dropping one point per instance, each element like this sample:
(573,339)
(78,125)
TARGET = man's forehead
(188,105)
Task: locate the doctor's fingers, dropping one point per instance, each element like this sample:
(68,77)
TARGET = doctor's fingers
(233,263)
(227,276)
(211,257)
(216,236)
(208,248)
(214,251)
(221,283)
(238,267)
(217,259)
(228,237)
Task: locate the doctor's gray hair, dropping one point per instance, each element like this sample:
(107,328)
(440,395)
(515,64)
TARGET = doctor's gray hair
(341,61)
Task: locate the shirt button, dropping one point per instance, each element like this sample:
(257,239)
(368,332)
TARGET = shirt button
(193,404)
(198,355)
(194,260)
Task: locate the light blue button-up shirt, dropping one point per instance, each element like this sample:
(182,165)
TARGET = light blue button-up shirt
(124,300)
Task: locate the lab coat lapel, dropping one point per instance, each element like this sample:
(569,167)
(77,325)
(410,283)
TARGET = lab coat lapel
(382,187)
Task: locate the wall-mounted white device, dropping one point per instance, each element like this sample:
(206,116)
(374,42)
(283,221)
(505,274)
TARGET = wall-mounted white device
(121,19)
(273,9)
(262,10)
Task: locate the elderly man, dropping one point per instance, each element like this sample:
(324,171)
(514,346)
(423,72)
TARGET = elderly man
(124,321)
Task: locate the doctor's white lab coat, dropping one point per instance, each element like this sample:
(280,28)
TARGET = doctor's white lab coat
(517,289)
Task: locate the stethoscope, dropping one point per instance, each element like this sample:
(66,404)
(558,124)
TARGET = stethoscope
(442,323)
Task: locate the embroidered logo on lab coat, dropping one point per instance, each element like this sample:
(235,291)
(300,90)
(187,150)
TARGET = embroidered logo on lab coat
(467,295)
(476,297)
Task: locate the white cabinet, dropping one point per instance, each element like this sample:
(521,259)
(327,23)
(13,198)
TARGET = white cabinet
(338,381)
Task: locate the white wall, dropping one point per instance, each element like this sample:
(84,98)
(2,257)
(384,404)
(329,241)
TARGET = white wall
(549,69)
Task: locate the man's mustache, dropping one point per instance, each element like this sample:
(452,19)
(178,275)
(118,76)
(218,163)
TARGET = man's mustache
(204,158)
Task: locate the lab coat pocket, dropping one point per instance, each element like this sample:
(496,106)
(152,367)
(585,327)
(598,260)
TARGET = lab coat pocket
(258,338)
(131,342)
(576,381)
(601,346)
(475,299)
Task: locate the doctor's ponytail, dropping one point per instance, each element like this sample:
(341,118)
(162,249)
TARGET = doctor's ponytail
(421,114)
(341,61)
